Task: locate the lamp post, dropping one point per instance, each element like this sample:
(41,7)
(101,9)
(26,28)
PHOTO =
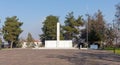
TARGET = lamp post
(115,30)
(0,36)
(114,34)
(87,24)
(87,28)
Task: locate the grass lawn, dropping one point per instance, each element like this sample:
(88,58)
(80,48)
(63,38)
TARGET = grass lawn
(117,50)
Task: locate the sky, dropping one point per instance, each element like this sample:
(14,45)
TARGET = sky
(33,12)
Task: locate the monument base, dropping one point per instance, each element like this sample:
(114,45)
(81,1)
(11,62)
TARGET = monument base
(61,44)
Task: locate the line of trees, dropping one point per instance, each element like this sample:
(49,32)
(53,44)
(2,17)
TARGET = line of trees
(95,26)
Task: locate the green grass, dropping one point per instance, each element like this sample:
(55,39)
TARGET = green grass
(6,49)
(117,50)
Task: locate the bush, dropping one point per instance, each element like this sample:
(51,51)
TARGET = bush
(30,45)
(19,45)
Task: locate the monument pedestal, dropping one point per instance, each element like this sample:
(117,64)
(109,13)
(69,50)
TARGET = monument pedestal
(61,44)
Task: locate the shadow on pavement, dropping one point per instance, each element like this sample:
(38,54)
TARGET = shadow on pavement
(90,58)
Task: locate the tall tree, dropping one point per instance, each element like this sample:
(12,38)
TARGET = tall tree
(0,43)
(50,27)
(0,38)
(97,24)
(12,30)
(110,35)
(117,23)
(117,14)
(95,28)
(71,28)
(30,40)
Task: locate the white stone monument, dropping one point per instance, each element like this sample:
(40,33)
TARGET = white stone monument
(58,43)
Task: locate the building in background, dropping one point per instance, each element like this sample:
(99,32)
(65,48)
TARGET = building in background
(35,44)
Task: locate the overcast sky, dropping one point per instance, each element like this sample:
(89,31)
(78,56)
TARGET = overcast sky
(33,12)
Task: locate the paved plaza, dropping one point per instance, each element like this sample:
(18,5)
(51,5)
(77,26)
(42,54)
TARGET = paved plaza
(57,57)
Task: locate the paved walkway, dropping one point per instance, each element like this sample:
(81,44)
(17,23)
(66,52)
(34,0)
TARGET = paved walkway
(57,57)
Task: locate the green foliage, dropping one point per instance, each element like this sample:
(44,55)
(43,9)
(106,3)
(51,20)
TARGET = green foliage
(61,36)
(19,45)
(72,25)
(30,38)
(30,45)
(20,42)
(12,30)
(117,14)
(96,27)
(110,36)
(117,23)
(0,43)
(50,27)
(112,49)
(30,41)
(93,36)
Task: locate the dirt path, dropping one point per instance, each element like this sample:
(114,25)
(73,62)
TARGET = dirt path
(57,57)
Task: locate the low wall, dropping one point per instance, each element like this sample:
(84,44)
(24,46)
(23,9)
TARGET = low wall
(50,43)
(60,44)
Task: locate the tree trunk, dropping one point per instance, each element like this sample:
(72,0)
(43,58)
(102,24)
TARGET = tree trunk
(11,45)
(101,44)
